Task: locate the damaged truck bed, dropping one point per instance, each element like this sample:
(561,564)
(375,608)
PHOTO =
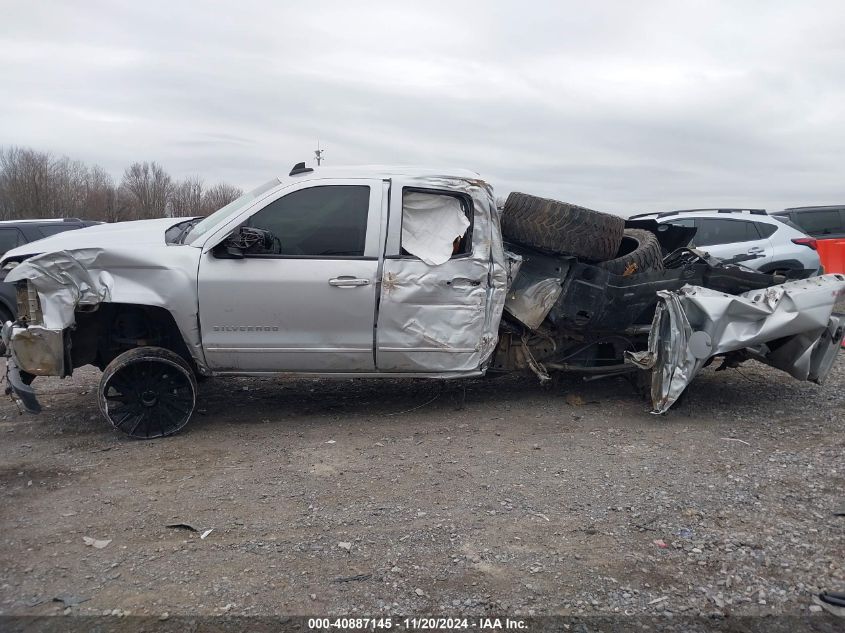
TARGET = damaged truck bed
(383,272)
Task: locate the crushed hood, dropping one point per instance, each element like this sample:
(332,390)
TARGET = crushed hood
(139,232)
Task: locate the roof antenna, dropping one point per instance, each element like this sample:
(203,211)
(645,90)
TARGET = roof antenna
(318,153)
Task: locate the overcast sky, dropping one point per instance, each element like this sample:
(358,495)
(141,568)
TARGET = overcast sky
(619,106)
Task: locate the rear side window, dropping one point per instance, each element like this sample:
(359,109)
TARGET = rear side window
(9,239)
(820,223)
(688,222)
(717,231)
(435,226)
(329,221)
(766,230)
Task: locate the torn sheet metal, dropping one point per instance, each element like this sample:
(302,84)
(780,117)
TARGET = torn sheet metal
(431,224)
(536,289)
(529,301)
(444,318)
(63,282)
(513,264)
(790,326)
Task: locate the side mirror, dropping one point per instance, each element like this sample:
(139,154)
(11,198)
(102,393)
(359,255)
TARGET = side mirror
(243,240)
(232,248)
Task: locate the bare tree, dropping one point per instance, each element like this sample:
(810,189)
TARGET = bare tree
(146,190)
(186,200)
(101,196)
(25,183)
(37,184)
(67,188)
(219,196)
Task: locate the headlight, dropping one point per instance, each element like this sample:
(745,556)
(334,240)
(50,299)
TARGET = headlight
(9,265)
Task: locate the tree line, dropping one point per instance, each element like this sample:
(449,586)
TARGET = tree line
(35,184)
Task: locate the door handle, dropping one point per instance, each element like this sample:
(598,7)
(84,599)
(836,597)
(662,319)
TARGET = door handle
(348,282)
(755,249)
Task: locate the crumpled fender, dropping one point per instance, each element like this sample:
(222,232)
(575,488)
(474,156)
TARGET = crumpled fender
(64,281)
(150,275)
(790,326)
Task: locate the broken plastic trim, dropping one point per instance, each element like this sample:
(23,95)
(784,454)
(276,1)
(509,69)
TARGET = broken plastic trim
(18,389)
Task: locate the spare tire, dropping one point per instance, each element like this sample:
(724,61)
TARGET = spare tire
(639,253)
(559,227)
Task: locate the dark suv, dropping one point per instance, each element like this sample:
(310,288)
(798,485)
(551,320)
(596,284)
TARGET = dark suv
(19,232)
(823,223)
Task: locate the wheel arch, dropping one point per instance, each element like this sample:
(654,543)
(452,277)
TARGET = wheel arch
(113,328)
(6,309)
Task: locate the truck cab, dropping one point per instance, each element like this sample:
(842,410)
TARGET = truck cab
(398,274)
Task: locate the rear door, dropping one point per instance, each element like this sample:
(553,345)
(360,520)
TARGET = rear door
(727,238)
(309,304)
(434,286)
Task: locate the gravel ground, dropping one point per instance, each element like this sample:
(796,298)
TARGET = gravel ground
(411,497)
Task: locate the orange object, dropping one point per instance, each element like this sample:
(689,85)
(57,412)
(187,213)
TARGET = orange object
(832,254)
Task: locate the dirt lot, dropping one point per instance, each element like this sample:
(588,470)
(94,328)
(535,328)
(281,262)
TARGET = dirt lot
(403,497)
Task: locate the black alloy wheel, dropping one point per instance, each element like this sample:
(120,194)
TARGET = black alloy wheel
(148,392)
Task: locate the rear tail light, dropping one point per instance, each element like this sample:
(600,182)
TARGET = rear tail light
(809,242)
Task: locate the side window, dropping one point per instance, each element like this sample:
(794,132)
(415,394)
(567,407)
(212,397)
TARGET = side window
(328,221)
(54,229)
(435,226)
(688,222)
(820,223)
(712,231)
(9,239)
(766,230)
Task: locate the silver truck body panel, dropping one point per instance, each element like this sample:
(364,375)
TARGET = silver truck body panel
(790,326)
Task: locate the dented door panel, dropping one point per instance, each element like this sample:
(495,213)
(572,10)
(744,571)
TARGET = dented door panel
(441,317)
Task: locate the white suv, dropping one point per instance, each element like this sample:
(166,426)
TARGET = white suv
(749,237)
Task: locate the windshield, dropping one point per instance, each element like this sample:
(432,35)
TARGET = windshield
(228,211)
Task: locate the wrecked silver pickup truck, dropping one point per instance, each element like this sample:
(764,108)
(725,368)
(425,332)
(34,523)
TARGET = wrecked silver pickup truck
(384,272)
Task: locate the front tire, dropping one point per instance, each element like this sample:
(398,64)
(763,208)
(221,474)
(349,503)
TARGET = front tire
(148,392)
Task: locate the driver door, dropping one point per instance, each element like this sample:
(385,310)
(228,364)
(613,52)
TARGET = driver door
(307,304)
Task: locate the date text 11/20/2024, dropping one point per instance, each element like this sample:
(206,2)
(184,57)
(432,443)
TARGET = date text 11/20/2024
(419,623)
